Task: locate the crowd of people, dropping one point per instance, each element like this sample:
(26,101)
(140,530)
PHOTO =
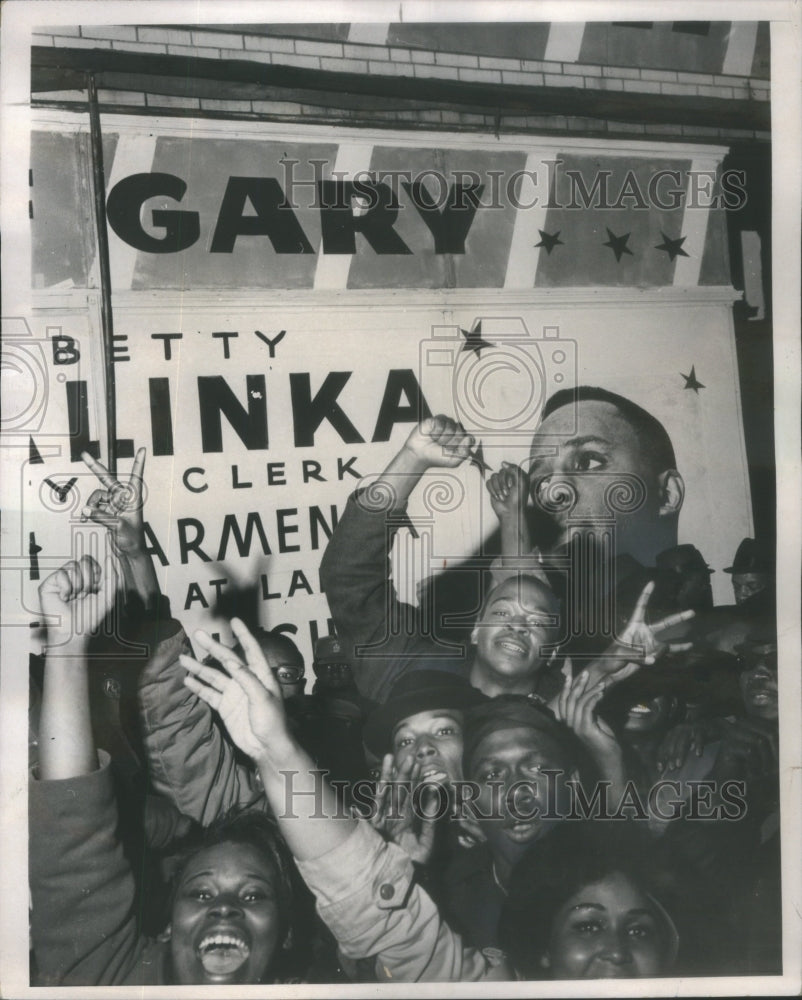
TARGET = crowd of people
(581,783)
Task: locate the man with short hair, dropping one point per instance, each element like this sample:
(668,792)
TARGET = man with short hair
(606,496)
(286,662)
(520,624)
(591,448)
(520,758)
(517,623)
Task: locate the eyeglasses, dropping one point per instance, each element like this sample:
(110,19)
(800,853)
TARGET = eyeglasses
(769,662)
(288,675)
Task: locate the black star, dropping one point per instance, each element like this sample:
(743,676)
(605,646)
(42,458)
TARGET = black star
(62,491)
(473,340)
(691,382)
(618,244)
(672,247)
(478,459)
(549,241)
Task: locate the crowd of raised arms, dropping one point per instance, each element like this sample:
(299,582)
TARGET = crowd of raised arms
(547,799)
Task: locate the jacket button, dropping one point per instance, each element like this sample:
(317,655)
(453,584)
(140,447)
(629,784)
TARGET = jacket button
(387,891)
(111,687)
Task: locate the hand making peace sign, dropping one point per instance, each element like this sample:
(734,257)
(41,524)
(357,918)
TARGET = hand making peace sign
(639,644)
(118,506)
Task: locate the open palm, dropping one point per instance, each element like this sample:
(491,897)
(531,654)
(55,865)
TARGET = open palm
(247,697)
(394,816)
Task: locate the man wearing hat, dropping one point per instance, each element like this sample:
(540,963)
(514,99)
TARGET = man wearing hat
(417,734)
(331,666)
(510,745)
(762,897)
(423,719)
(683,579)
(752,575)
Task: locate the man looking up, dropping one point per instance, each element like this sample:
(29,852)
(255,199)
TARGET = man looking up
(517,620)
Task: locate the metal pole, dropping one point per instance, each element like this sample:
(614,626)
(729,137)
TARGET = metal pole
(106,314)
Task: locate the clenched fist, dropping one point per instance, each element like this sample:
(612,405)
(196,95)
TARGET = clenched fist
(440,441)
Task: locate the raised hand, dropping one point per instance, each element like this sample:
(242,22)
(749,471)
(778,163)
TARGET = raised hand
(118,506)
(509,490)
(639,643)
(393,815)
(439,441)
(576,707)
(75,600)
(247,697)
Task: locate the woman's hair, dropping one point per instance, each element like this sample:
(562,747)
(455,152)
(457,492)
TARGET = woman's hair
(575,855)
(254,829)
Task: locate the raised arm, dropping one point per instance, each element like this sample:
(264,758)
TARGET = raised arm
(509,496)
(118,507)
(75,600)
(576,707)
(189,760)
(355,569)
(364,887)
(83,917)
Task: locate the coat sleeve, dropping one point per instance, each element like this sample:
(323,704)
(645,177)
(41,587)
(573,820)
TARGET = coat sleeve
(367,896)
(355,574)
(83,917)
(190,760)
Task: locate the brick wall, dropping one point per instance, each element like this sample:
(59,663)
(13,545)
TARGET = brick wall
(375,60)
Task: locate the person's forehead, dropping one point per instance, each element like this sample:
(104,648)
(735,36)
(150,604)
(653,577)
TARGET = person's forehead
(509,744)
(588,417)
(423,722)
(230,859)
(616,892)
(526,593)
(282,663)
(281,653)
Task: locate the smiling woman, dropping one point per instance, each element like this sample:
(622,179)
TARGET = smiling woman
(592,904)
(231,904)
(230,912)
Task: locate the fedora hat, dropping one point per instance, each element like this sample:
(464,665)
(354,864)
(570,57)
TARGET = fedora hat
(682,559)
(751,557)
(422,690)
